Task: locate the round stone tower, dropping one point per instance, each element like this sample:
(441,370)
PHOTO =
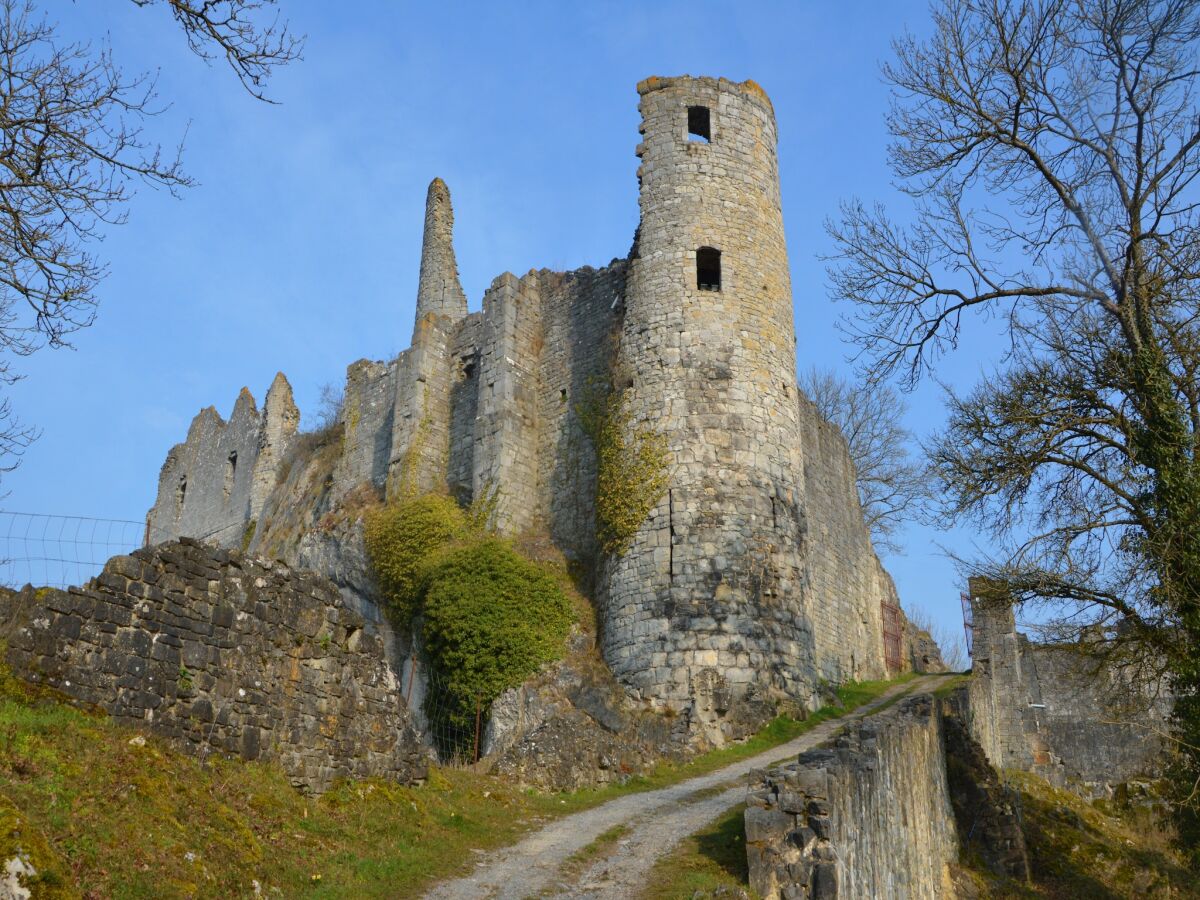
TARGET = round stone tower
(707,605)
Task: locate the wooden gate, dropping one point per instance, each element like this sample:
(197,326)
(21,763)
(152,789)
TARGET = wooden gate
(892,633)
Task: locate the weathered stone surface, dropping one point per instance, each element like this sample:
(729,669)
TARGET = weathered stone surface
(1056,710)
(867,818)
(574,727)
(984,815)
(753,579)
(224,653)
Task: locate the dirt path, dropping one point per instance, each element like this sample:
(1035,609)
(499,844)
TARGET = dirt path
(655,822)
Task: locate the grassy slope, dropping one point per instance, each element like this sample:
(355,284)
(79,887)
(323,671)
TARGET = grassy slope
(103,812)
(1080,849)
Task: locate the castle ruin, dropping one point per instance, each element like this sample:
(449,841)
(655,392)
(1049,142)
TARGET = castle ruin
(752,576)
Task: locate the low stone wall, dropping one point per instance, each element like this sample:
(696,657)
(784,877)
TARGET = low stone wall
(869,817)
(223,652)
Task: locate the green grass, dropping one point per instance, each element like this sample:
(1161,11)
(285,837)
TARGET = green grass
(712,858)
(121,815)
(604,844)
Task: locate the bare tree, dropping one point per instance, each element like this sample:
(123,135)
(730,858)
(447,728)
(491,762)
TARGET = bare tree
(951,640)
(892,484)
(1051,151)
(235,30)
(72,148)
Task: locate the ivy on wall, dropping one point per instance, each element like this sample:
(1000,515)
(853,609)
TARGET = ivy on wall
(631,466)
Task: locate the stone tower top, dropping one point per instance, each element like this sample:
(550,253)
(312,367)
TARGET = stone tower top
(748,87)
(439,291)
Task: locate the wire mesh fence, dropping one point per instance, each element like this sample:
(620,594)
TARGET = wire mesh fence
(61,551)
(66,551)
(454,722)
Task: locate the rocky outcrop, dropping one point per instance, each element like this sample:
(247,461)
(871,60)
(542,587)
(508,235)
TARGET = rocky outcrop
(869,817)
(224,652)
(573,727)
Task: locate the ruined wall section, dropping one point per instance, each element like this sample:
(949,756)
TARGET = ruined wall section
(464,407)
(713,582)
(869,817)
(420,439)
(581,312)
(1001,690)
(1057,711)
(212,484)
(506,420)
(421,421)
(847,583)
(439,291)
(226,653)
(367,418)
(281,419)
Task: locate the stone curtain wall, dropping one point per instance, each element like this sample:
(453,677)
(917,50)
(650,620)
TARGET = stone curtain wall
(1048,709)
(847,583)
(867,818)
(228,653)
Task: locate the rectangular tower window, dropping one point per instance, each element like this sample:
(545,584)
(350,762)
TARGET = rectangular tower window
(708,269)
(699,124)
(230,474)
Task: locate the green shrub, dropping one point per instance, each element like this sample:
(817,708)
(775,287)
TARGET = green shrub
(492,619)
(401,537)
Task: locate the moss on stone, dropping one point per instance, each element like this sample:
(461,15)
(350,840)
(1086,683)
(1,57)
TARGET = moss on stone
(27,858)
(631,466)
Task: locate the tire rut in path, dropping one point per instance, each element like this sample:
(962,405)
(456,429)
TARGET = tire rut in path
(656,820)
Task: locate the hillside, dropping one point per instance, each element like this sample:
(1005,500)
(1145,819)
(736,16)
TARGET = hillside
(100,810)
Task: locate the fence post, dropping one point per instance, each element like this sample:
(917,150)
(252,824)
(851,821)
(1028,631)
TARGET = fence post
(478,709)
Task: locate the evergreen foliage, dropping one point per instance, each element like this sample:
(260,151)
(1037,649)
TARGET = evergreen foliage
(491,619)
(401,537)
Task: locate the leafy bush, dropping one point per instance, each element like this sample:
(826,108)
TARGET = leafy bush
(401,537)
(492,619)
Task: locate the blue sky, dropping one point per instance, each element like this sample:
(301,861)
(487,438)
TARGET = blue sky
(299,249)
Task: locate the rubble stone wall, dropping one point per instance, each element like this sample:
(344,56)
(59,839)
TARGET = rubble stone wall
(227,653)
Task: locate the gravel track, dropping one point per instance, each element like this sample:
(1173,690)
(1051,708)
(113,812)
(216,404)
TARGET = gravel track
(655,820)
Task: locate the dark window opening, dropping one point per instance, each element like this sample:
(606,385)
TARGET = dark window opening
(180,494)
(671,542)
(699,124)
(708,269)
(230,474)
(562,395)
